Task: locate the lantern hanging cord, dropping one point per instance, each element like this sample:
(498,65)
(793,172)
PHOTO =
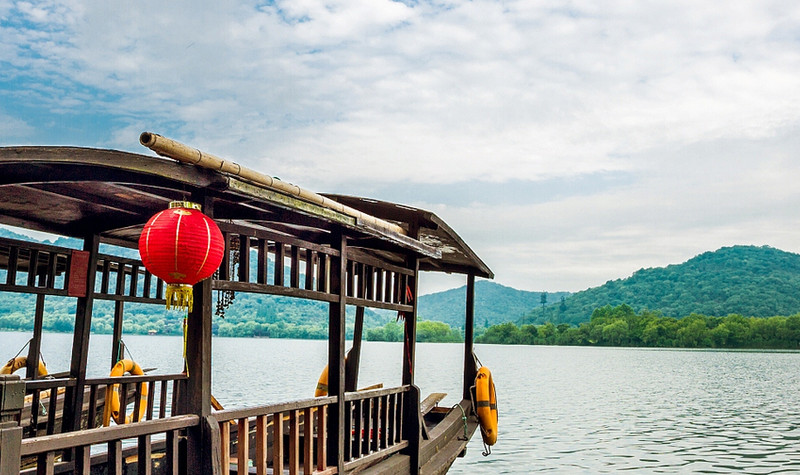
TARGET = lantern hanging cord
(185,363)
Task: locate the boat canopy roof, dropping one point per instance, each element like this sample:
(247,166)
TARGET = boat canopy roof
(77,192)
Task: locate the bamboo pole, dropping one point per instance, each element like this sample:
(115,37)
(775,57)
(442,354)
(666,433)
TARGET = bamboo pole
(183,153)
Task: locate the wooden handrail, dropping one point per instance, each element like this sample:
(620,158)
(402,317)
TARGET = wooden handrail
(248,412)
(373,393)
(31,385)
(137,379)
(49,443)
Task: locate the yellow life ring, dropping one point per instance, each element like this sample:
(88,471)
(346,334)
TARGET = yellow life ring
(486,405)
(20,362)
(322,384)
(112,409)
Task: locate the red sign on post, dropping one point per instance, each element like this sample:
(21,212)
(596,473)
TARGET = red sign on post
(78,271)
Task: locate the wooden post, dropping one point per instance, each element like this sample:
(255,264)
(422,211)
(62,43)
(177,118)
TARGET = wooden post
(411,415)
(119,312)
(354,356)
(34,349)
(197,397)
(73,397)
(12,400)
(469,333)
(336,339)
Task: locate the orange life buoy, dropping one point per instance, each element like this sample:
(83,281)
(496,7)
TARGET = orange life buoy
(486,405)
(20,362)
(322,384)
(112,406)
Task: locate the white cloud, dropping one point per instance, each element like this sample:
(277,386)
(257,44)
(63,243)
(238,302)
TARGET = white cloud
(14,130)
(695,101)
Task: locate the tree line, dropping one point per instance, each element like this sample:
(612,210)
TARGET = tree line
(622,326)
(746,280)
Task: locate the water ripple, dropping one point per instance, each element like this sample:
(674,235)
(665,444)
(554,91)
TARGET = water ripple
(599,410)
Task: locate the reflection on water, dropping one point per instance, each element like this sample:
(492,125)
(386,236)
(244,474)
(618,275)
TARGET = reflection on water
(562,410)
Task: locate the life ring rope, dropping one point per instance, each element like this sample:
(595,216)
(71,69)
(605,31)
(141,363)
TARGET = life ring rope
(112,403)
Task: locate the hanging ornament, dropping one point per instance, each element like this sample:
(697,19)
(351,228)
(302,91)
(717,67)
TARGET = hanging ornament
(181,246)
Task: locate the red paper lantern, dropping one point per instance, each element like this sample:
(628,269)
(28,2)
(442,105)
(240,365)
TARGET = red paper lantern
(182,246)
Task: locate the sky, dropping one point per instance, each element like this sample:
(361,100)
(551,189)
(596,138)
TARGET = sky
(569,143)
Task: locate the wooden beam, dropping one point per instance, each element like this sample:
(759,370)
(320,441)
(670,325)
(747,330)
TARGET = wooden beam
(34,349)
(469,334)
(336,341)
(354,355)
(197,397)
(73,398)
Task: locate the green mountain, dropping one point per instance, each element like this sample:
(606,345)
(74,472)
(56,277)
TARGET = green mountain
(494,303)
(746,280)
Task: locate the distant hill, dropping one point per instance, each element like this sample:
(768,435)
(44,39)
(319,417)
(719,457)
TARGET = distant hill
(494,303)
(746,280)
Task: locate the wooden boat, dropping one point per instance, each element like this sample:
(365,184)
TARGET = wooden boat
(341,250)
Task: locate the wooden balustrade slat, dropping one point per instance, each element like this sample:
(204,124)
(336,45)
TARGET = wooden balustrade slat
(379,285)
(225,446)
(105,276)
(176,390)
(322,273)
(244,259)
(277,442)
(294,268)
(172,453)
(376,425)
(83,462)
(358,437)
(294,443)
(134,288)
(261,262)
(308,441)
(144,463)
(137,400)
(123,400)
(92,414)
(279,263)
(242,446)
(115,459)
(162,402)
(13,260)
(385,422)
(392,420)
(151,398)
(260,457)
(33,263)
(148,278)
(310,258)
(322,435)
(45,463)
(51,411)
(348,447)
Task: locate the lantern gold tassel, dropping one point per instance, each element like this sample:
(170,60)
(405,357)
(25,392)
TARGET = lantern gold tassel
(179,297)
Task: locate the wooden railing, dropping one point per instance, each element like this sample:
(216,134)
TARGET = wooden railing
(47,448)
(282,265)
(44,411)
(376,418)
(267,428)
(34,268)
(126,280)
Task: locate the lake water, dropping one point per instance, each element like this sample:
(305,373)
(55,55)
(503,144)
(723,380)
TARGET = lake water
(562,409)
